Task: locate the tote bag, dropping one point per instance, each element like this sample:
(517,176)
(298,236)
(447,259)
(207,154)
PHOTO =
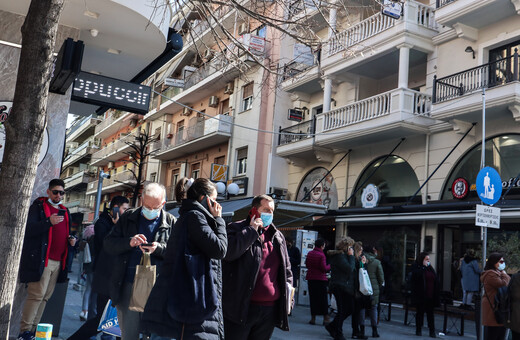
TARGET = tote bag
(143,284)
(365,287)
(109,323)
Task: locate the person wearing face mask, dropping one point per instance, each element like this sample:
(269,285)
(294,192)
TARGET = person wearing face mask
(493,277)
(256,272)
(145,229)
(44,254)
(425,292)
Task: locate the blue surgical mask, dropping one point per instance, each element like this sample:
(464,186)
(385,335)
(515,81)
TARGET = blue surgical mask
(267,219)
(428,264)
(52,203)
(502,266)
(150,214)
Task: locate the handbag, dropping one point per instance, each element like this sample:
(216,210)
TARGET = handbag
(143,284)
(87,257)
(193,296)
(109,323)
(365,286)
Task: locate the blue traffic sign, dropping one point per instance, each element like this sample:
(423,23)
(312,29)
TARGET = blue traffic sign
(489,185)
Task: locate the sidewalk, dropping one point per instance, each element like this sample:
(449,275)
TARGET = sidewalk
(300,329)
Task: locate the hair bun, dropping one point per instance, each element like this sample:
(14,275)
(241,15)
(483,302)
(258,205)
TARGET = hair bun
(188,184)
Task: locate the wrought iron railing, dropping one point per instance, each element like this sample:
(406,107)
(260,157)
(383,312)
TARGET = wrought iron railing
(297,132)
(292,69)
(441,3)
(492,74)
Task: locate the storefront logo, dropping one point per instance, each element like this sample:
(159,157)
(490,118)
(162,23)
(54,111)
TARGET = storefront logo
(370,196)
(460,188)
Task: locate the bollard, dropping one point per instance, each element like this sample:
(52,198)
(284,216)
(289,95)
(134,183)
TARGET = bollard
(44,331)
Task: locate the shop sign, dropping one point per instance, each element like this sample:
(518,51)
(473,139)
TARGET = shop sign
(174,82)
(242,185)
(489,185)
(392,8)
(487,216)
(460,188)
(219,172)
(370,196)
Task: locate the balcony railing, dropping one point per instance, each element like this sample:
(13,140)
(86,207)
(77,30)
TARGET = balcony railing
(296,132)
(377,24)
(214,65)
(109,120)
(492,74)
(374,107)
(297,6)
(292,69)
(113,147)
(125,177)
(441,3)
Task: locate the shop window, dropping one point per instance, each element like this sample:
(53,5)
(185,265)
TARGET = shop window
(247,96)
(501,154)
(395,180)
(241,165)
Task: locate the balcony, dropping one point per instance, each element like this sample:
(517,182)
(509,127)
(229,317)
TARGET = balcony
(113,123)
(114,151)
(79,206)
(81,129)
(474,13)
(86,149)
(117,182)
(460,95)
(79,178)
(393,114)
(202,135)
(373,41)
(302,77)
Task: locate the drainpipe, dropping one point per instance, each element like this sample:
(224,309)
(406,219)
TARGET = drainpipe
(426,161)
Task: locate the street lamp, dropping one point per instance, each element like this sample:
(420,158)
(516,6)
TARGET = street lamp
(102,175)
(231,189)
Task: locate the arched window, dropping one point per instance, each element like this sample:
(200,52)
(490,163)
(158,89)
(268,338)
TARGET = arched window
(395,180)
(502,153)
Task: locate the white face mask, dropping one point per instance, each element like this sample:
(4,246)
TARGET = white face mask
(502,266)
(52,203)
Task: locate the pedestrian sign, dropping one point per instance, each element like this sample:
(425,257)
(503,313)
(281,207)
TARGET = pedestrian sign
(489,185)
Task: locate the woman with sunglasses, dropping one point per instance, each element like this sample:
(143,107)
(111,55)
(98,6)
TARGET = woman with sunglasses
(493,277)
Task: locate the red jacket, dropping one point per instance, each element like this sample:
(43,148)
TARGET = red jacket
(317,266)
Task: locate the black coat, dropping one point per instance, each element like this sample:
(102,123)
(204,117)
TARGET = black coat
(206,235)
(36,242)
(240,269)
(418,284)
(103,262)
(117,244)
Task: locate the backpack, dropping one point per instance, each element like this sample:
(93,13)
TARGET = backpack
(502,308)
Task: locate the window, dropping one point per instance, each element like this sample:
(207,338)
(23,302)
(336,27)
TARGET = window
(220,160)
(261,31)
(180,132)
(247,96)
(153,176)
(241,161)
(224,108)
(195,170)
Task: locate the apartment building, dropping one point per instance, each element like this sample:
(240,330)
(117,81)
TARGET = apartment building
(76,168)
(387,103)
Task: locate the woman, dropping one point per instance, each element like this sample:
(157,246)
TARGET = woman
(181,188)
(514,291)
(342,265)
(375,272)
(425,292)
(470,271)
(361,302)
(493,277)
(317,269)
(200,232)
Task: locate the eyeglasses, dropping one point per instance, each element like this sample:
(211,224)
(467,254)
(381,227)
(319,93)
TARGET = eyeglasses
(55,192)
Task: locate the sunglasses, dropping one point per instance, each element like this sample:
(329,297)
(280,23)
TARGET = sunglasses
(55,192)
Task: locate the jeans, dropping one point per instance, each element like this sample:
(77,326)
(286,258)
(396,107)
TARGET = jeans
(128,320)
(259,325)
(373,315)
(86,293)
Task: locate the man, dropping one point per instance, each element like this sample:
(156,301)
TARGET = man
(143,229)
(295,257)
(102,267)
(44,254)
(256,272)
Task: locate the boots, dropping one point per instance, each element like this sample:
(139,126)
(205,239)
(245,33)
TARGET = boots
(375,334)
(432,333)
(418,331)
(361,334)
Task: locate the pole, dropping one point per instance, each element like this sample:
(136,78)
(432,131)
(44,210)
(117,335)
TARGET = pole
(102,175)
(484,229)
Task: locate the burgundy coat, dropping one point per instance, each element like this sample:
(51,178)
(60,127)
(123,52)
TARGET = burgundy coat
(317,266)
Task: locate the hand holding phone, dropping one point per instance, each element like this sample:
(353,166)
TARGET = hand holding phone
(62,212)
(256,222)
(204,203)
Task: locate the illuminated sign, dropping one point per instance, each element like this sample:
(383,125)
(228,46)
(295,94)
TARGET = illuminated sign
(94,89)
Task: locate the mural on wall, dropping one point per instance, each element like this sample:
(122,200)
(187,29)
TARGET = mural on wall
(323,189)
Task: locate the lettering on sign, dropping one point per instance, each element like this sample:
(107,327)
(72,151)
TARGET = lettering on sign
(487,216)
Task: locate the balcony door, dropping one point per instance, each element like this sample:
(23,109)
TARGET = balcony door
(502,64)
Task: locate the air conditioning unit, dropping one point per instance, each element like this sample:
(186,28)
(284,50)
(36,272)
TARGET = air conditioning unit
(110,165)
(186,111)
(242,28)
(278,193)
(213,101)
(229,88)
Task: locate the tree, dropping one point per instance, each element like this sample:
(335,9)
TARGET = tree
(24,130)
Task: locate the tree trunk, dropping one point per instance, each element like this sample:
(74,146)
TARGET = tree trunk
(24,130)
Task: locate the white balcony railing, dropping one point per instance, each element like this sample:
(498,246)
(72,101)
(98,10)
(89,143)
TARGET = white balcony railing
(379,23)
(113,147)
(377,106)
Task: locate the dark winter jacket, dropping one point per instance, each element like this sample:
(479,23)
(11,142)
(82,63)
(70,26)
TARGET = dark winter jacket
(418,284)
(206,235)
(38,236)
(117,244)
(377,278)
(103,263)
(240,269)
(342,272)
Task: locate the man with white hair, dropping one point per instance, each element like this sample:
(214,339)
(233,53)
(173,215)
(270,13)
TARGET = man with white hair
(145,229)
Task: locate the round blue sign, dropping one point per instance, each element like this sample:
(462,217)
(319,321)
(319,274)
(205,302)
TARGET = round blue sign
(489,185)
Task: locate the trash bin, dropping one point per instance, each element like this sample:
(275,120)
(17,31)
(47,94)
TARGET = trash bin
(54,309)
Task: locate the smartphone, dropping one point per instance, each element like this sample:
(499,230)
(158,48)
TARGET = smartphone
(61,212)
(253,215)
(147,244)
(115,211)
(204,202)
